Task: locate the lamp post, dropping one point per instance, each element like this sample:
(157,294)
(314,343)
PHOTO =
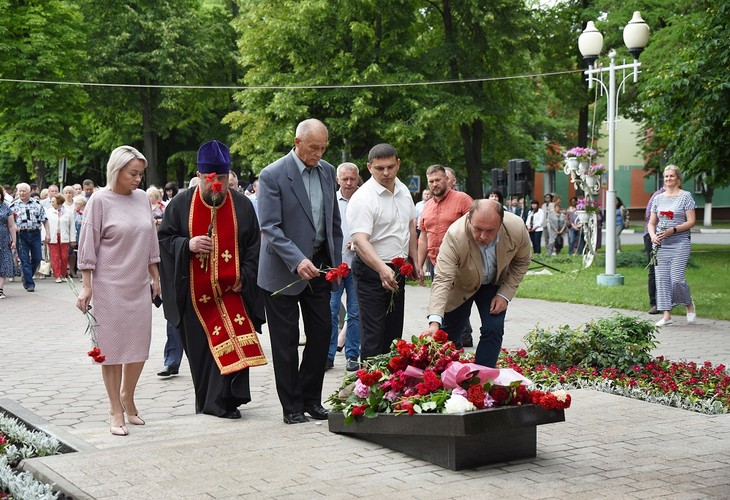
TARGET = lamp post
(590,43)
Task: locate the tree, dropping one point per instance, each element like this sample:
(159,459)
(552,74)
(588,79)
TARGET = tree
(469,39)
(153,44)
(686,98)
(316,43)
(40,40)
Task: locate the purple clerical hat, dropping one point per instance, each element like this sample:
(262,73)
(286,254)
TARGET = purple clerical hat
(214,157)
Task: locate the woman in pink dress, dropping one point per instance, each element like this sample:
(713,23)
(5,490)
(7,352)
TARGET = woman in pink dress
(118,256)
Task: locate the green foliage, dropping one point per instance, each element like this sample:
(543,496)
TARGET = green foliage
(476,124)
(687,98)
(619,341)
(40,40)
(365,42)
(158,43)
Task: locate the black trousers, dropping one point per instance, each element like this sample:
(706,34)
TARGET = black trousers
(300,384)
(378,327)
(651,282)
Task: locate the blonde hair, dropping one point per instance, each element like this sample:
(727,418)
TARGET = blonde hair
(677,172)
(80,200)
(155,191)
(119,158)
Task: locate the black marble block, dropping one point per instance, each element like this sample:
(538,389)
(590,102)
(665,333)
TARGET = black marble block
(455,441)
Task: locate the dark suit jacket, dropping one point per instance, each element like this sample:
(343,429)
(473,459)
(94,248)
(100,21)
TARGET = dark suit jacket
(287,224)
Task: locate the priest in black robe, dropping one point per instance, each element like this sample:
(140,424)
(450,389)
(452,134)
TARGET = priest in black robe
(209,246)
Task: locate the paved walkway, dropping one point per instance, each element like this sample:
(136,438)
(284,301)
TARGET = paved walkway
(608,446)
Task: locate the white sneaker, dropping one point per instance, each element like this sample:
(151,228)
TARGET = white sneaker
(691,318)
(662,322)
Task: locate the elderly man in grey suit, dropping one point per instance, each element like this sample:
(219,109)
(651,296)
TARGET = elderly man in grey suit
(300,225)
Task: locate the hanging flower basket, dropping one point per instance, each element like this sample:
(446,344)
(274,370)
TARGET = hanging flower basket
(571,164)
(585,155)
(582,216)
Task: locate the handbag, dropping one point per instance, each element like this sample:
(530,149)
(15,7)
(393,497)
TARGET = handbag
(559,243)
(44,268)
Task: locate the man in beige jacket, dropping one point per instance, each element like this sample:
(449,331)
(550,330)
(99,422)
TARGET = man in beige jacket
(486,270)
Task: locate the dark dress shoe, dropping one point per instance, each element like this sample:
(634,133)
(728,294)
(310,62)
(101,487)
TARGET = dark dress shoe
(316,411)
(653,310)
(168,371)
(352,365)
(295,418)
(231,414)
(330,364)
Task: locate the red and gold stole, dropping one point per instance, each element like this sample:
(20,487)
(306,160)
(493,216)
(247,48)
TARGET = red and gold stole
(222,313)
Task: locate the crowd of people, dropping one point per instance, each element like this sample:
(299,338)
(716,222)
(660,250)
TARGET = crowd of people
(223,259)
(39,232)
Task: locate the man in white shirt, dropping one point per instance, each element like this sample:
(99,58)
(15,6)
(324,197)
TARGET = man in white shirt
(347,178)
(381,218)
(425,196)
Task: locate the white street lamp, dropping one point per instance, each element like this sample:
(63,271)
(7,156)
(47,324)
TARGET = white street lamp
(590,43)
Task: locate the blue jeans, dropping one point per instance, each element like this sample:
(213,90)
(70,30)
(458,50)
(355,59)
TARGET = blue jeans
(352,338)
(30,253)
(173,347)
(491,331)
(573,235)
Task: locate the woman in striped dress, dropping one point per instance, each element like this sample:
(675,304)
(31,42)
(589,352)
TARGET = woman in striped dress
(672,217)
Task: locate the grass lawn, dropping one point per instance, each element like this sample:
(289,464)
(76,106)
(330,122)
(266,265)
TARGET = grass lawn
(708,275)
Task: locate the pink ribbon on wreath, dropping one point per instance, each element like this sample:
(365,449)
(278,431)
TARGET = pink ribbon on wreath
(412,371)
(457,372)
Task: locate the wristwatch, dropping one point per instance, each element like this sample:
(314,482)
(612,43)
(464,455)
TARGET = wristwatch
(675,229)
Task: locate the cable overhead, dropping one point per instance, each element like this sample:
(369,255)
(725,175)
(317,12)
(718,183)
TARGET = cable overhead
(292,87)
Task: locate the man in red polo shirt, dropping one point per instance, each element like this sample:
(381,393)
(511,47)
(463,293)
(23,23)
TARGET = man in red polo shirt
(446,206)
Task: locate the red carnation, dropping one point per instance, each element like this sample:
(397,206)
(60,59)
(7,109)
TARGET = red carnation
(397,363)
(369,378)
(95,354)
(359,410)
(406,406)
(475,395)
(441,336)
(500,395)
(210,177)
(430,383)
(217,187)
(404,348)
(398,261)
(406,269)
(332,275)
(343,269)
